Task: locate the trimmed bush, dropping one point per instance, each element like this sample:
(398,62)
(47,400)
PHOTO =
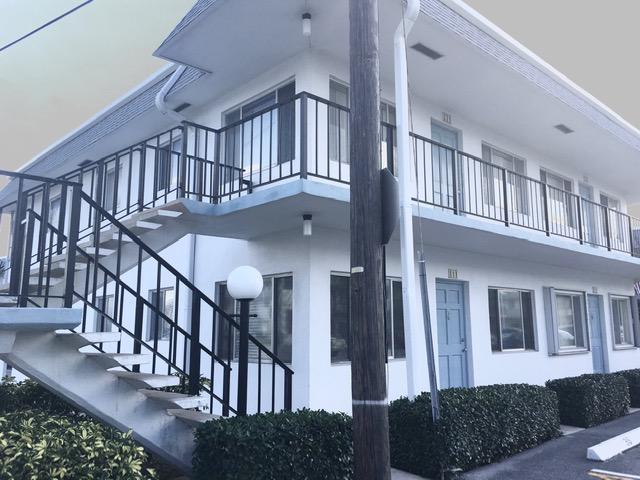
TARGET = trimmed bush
(477,426)
(633,380)
(28,395)
(38,445)
(310,445)
(591,399)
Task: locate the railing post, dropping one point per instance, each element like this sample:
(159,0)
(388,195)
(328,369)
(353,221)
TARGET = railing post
(182,182)
(62,217)
(579,209)
(390,160)
(454,179)
(194,350)
(287,390)
(226,390)
(141,175)
(216,167)
(100,184)
(630,235)
(137,330)
(607,229)
(243,360)
(505,197)
(25,269)
(545,203)
(72,241)
(303,136)
(17,238)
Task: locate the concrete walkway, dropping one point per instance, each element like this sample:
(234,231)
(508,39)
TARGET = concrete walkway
(566,457)
(400,475)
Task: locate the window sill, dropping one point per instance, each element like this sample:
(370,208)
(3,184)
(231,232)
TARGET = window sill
(563,353)
(519,350)
(624,347)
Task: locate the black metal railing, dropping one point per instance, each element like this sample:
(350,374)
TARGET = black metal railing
(67,250)
(308,136)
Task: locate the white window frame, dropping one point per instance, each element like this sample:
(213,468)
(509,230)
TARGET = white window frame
(391,339)
(162,321)
(533,320)
(632,342)
(274,326)
(550,299)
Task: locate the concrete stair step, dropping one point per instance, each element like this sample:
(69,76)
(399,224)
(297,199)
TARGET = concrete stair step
(140,226)
(123,359)
(6,301)
(192,417)
(102,251)
(149,380)
(91,338)
(178,400)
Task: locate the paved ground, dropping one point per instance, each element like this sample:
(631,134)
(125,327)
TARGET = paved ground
(399,475)
(565,458)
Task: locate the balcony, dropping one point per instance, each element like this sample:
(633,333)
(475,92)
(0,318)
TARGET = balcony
(308,138)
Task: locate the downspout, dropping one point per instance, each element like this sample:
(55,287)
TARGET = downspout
(409,290)
(161,96)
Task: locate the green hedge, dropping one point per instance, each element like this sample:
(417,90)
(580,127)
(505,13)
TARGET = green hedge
(477,426)
(310,445)
(591,399)
(28,395)
(38,445)
(633,381)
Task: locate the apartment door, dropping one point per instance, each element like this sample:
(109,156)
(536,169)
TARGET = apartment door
(442,159)
(452,329)
(596,331)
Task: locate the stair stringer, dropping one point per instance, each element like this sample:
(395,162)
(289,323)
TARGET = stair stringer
(56,364)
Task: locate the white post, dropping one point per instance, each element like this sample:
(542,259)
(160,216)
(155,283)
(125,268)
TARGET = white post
(409,290)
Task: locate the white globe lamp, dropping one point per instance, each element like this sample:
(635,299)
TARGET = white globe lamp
(245,283)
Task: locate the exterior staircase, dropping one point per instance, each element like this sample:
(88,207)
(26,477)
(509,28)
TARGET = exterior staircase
(53,317)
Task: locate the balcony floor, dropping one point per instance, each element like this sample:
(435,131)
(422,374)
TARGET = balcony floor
(280,206)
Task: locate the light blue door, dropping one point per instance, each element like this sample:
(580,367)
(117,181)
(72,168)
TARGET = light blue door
(452,345)
(442,166)
(595,327)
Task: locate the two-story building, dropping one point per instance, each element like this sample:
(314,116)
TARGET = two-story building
(522,182)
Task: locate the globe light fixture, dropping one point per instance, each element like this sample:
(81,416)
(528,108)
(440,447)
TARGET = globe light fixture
(245,283)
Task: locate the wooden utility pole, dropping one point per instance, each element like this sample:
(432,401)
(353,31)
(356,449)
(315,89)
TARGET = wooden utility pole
(368,381)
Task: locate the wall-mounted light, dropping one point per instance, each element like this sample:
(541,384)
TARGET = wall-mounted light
(306,24)
(307,225)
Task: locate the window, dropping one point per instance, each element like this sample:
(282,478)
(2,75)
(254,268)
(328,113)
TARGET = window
(263,138)
(341,324)
(110,188)
(622,321)
(272,324)
(559,198)
(54,211)
(566,321)
(511,319)
(104,313)
(339,93)
(492,178)
(158,323)
(166,165)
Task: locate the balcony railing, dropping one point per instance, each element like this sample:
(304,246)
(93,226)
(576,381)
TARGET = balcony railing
(308,136)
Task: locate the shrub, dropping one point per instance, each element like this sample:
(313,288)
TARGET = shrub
(310,445)
(28,395)
(633,381)
(38,445)
(477,426)
(591,399)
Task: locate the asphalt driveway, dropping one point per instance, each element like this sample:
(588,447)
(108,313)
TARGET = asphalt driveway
(566,457)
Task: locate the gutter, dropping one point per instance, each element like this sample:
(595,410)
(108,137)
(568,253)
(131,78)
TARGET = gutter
(409,288)
(161,96)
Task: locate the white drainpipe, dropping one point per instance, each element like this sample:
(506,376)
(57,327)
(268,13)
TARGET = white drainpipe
(161,96)
(413,344)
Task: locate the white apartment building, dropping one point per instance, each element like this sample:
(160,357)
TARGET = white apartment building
(522,182)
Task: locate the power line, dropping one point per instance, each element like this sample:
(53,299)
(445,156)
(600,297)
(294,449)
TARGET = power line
(60,17)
